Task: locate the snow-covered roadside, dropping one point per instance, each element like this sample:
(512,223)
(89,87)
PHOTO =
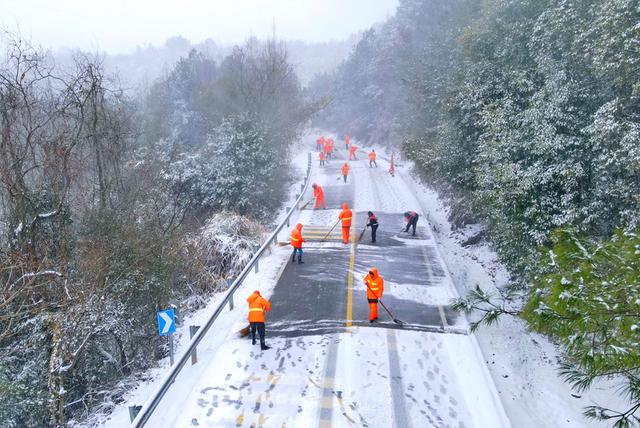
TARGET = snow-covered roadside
(144,384)
(523,364)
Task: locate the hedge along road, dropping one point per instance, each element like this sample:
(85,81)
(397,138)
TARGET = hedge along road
(328,365)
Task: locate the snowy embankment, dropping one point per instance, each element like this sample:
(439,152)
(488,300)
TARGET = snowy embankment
(523,364)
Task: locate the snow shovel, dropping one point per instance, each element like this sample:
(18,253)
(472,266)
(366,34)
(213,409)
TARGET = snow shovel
(362,233)
(305,205)
(395,320)
(331,230)
(245,331)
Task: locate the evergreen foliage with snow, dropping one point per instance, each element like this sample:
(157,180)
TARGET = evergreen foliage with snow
(588,298)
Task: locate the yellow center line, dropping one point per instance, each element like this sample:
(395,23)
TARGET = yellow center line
(352,260)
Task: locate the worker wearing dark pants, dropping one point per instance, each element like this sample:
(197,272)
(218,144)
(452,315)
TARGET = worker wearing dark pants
(372,222)
(411,217)
(258,305)
(259,327)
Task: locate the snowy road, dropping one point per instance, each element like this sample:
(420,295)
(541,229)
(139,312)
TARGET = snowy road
(328,365)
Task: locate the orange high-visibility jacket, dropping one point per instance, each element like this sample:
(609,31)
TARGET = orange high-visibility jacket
(296,236)
(322,156)
(346,139)
(372,156)
(375,284)
(318,193)
(345,169)
(257,307)
(352,149)
(345,215)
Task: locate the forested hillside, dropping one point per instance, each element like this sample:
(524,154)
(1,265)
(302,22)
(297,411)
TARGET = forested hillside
(525,114)
(115,206)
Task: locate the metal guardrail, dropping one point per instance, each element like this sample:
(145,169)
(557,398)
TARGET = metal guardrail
(152,403)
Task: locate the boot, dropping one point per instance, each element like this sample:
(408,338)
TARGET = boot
(293,259)
(300,262)
(264,347)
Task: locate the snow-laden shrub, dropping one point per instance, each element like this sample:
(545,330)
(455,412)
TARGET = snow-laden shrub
(221,248)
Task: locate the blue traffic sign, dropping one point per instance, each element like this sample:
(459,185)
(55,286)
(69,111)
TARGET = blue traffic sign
(166,322)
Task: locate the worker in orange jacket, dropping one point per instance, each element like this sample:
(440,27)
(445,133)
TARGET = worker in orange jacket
(323,157)
(296,243)
(352,152)
(258,305)
(345,171)
(320,143)
(392,168)
(345,217)
(318,193)
(346,141)
(327,148)
(375,288)
(372,159)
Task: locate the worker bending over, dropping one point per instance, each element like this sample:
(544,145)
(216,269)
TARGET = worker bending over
(411,217)
(318,194)
(352,152)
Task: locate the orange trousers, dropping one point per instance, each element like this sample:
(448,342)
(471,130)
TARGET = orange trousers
(345,234)
(320,201)
(373,311)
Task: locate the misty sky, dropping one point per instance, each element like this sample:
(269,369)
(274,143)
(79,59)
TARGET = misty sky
(118,26)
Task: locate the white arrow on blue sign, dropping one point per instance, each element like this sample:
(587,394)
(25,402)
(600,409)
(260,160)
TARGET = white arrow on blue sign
(166,322)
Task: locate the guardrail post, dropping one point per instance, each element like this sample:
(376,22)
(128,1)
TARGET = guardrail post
(229,282)
(133,412)
(297,196)
(193,329)
(288,209)
(302,186)
(256,247)
(176,311)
